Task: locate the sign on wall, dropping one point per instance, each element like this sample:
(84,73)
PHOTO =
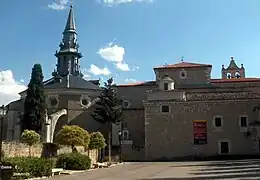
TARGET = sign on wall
(200,132)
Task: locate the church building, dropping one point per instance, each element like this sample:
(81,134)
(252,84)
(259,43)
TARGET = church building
(182,113)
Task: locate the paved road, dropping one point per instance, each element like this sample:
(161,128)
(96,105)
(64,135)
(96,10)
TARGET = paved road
(246,169)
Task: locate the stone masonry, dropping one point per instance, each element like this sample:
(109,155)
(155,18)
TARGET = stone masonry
(191,94)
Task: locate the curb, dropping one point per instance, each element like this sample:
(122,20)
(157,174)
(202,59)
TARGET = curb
(70,172)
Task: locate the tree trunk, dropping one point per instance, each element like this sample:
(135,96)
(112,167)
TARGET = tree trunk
(30,155)
(74,149)
(99,155)
(109,146)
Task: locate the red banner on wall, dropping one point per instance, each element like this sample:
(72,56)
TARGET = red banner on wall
(200,132)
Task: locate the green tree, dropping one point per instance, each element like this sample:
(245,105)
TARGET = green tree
(108,110)
(73,136)
(30,138)
(34,105)
(97,141)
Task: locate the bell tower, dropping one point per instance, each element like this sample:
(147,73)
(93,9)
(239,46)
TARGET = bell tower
(68,55)
(233,71)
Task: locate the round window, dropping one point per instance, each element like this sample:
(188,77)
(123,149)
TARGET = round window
(53,101)
(84,102)
(183,74)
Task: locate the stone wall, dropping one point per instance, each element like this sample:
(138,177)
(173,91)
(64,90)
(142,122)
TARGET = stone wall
(170,135)
(12,149)
(197,75)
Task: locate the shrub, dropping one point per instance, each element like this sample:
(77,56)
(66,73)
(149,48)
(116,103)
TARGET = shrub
(73,136)
(50,150)
(41,167)
(30,138)
(73,161)
(36,167)
(97,141)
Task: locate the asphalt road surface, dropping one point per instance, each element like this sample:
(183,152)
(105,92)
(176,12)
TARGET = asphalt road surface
(243,169)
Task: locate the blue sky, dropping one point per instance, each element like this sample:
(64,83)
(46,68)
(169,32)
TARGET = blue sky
(138,33)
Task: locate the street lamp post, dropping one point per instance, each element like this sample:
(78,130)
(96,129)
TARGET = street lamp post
(120,146)
(2,114)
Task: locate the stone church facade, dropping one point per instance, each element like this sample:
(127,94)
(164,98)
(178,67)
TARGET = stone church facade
(183,96)
(183,112)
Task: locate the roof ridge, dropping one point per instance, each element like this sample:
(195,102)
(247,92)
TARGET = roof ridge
(184,64)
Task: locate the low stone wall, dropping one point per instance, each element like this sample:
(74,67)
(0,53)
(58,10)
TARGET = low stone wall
(12,149)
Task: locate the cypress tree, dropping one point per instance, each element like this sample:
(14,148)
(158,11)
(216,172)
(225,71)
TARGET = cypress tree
(34,105)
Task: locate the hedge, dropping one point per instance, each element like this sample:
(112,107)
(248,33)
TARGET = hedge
(73,161)
(36,167)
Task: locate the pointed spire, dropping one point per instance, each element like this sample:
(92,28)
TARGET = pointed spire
(70,25)
(232,64)
(69,55)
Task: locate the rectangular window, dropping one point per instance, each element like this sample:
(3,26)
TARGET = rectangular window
(224,147)
(125,134)
(218,121)
(125,104)
(243,121)
(165,108)
(165,86)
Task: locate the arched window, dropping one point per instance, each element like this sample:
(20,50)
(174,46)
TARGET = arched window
(237,75)
(125,134)
(229,76)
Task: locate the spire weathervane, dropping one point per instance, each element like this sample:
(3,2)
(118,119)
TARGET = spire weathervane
(182,57)
(71,3)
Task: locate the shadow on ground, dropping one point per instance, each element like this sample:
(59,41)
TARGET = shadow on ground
(244,169)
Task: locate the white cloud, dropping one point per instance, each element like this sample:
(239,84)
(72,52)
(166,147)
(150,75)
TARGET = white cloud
(86,74)
(98,71)
(128,80)
(59,5)
(112,53)
(122,66)
(9,88)
(118,2)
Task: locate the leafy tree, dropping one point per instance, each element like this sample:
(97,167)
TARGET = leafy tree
(97,141)
(108,110)
(30,138)
(73,136)
(34,105)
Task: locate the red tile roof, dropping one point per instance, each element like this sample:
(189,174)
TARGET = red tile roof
(183,65)
(241,80)
(148,83)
